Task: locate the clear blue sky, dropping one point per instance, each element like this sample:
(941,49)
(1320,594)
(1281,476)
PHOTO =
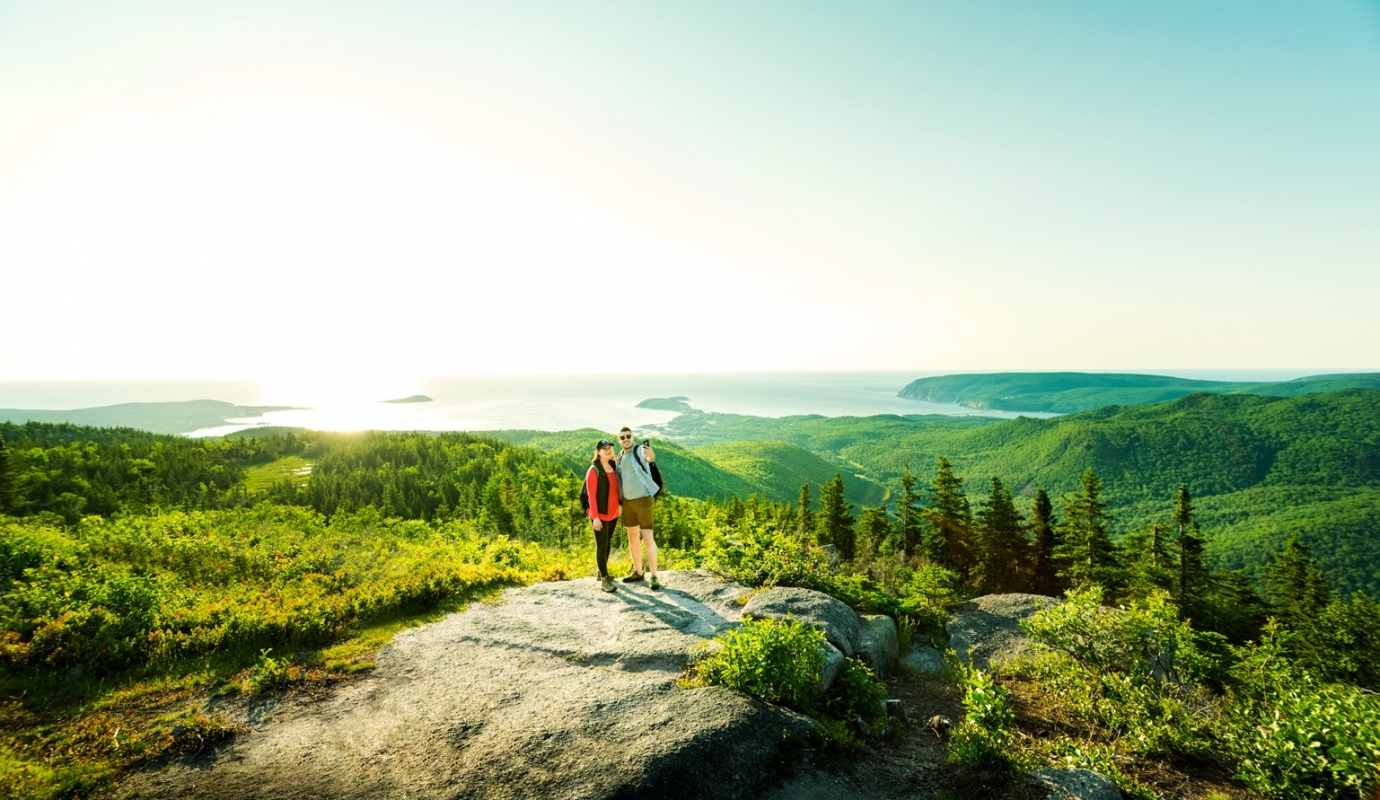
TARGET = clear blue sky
(442,188)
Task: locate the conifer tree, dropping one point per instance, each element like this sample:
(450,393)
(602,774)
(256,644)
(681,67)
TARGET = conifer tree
(1003,549)
(948,538)
(836,518)
(1233,607)
(874,531)
(908,514)
(1296,585)
(1086,552)
(1193,583)
(806,528)
(1148,562)
(1043,529)
(9,484)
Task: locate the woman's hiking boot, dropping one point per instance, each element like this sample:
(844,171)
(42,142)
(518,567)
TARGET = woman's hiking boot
(633,578)
(606,583)
(655,584)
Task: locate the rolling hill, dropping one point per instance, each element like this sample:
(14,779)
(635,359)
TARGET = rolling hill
(1261,467)
(176,417)
(1071,392)
(774,470)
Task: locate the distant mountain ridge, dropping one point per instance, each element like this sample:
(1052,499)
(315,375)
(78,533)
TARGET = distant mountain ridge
(173,417)
(1072,392)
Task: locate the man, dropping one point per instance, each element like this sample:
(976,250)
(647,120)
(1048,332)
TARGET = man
(639,481)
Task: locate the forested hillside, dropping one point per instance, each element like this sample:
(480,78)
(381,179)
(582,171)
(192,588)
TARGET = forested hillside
(172,417)
(774,470)
(1264,467)
(1071,392)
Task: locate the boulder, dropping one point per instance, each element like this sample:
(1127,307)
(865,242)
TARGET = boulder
(833,665)
(558,691)
(877,643)
(925,660)
(840,623)
(1074,784)
(987,630)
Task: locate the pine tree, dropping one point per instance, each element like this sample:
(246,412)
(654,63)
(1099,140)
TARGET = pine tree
(1193,583)
(1043,528)
(1296,586)
(836,518)
(1233,607)
(908,514)
(1086,552)
(1148,562)
(807,515)
(948,538)
(874,530)
(9,484)
(1003,549)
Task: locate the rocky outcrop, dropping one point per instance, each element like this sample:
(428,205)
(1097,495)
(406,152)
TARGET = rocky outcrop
(560,690)
(871,637)
(924,659)
(1074,784)
(840,624)
(987,630)
(878,644)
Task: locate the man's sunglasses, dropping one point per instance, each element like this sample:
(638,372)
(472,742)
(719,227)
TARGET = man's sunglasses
(623,436)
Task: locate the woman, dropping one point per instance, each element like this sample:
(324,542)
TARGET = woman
(600,499)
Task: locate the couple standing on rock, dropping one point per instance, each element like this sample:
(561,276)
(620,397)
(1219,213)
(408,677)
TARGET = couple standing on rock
(628,483)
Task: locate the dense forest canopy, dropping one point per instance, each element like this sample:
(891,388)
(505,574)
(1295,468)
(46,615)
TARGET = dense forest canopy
(1263,468)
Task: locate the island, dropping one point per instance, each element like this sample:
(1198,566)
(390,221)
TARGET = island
(416,398)
(677,403)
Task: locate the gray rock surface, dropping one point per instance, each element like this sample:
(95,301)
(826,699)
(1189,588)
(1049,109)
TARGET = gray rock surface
(839,622)
(560,690)
(924,660)
(987,630)
(878,644)
(833,665)
(1074,784)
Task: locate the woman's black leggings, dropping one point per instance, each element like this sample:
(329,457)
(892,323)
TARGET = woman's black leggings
(601,546)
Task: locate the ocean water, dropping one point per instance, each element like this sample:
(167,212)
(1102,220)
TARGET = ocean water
(608,402)
(549,402)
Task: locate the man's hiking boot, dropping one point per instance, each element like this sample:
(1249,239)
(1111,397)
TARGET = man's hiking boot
(655,584)
(606,583)
(633,578)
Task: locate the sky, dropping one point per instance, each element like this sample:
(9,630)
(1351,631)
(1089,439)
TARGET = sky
(299,192)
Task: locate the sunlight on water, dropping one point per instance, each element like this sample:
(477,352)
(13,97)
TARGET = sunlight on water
(603,402)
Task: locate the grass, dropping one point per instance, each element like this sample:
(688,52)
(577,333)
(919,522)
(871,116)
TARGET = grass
(290,468)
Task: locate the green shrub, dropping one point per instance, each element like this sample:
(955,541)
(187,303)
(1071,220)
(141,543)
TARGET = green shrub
(1135,671)
(270,673)
(778,662)
(1100,758)
(983,739)
(1293,736)
(856,693)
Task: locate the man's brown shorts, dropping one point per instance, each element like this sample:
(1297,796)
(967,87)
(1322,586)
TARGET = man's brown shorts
(638,513)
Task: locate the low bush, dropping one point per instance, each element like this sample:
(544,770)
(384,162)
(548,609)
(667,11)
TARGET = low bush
(1294,736)
(856,694)
(1137,671)
(983,739)
(778,662)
